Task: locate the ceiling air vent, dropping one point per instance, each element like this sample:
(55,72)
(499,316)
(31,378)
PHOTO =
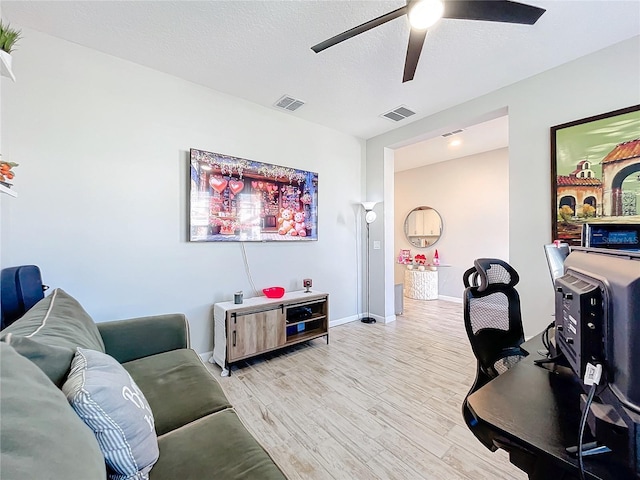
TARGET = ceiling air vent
(451,133)
(398,114)
(289,103)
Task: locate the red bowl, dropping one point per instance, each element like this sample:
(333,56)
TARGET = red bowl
(273,292)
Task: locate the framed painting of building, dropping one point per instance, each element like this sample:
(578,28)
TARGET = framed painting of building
(595,172)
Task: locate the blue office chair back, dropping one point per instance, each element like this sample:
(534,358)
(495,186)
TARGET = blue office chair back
(20,289)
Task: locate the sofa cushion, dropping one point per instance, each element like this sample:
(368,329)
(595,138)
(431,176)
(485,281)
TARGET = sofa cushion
(41,436)
(57,320)
(50,359)
(178,386)
(105,396)
(215,446)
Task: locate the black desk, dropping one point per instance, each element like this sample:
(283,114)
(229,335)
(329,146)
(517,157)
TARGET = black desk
(540,410)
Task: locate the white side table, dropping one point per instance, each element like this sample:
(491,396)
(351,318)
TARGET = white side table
(421,285)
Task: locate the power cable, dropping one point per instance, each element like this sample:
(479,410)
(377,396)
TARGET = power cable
(583,422)
(248,270)
(591,377)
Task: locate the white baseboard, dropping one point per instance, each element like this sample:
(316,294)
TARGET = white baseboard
(449,299)
(343,320)
(206,356)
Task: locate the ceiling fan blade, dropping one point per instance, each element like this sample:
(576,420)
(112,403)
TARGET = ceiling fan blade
(416,41)
(492,11)
(341,37)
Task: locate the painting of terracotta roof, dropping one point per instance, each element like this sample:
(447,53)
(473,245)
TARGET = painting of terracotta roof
(624,151)
(570,180)
(595,168)
(582,171)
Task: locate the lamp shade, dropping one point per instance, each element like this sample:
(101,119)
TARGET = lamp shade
(369,205)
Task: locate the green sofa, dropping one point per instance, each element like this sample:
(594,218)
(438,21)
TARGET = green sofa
(199,435)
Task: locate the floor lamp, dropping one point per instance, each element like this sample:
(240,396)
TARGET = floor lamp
(369,218)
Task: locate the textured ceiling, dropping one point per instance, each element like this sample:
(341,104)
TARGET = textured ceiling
(260,50)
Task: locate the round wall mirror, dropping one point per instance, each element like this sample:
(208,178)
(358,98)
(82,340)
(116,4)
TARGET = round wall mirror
(423,227)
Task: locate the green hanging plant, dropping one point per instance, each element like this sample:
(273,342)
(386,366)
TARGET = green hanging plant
(8,37)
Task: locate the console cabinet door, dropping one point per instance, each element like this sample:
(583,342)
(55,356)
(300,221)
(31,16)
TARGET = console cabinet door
(252,333)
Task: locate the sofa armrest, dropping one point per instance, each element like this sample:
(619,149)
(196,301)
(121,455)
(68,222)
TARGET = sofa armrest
(127,340)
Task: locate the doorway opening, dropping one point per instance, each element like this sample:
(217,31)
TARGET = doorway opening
(464,176)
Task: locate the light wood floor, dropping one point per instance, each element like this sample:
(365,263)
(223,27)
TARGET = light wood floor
(379,402)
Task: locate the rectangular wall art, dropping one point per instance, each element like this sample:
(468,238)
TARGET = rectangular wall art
(235,199)
(595,172)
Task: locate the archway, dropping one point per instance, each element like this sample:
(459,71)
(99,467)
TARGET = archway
(616,188)
(569,201)
(590,201)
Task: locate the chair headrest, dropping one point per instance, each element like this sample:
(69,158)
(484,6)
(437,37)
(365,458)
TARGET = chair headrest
(470,278)
(495,272)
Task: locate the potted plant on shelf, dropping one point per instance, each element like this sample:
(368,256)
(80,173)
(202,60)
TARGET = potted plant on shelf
(8,39)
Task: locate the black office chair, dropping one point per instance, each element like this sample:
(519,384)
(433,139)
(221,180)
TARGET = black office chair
(493,323)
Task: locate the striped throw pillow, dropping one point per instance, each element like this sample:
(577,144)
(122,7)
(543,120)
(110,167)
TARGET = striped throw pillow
(106,398)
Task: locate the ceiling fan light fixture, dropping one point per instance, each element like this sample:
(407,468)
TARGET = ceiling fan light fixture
(424,13)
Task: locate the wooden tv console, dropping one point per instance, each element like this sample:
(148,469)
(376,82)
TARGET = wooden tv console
(262,324)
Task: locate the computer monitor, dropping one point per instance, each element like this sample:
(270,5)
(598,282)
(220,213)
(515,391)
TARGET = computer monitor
(598,321)
(617,236)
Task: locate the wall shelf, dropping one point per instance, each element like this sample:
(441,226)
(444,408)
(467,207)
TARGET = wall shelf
(5,65)
(8,191)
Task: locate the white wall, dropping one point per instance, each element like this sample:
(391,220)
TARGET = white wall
(601,82)
(472,196)
(103,151)
(3,198)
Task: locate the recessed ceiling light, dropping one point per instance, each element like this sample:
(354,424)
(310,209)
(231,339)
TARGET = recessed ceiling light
(455,143)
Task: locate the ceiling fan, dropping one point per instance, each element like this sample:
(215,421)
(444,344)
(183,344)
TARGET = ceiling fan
(424,13)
